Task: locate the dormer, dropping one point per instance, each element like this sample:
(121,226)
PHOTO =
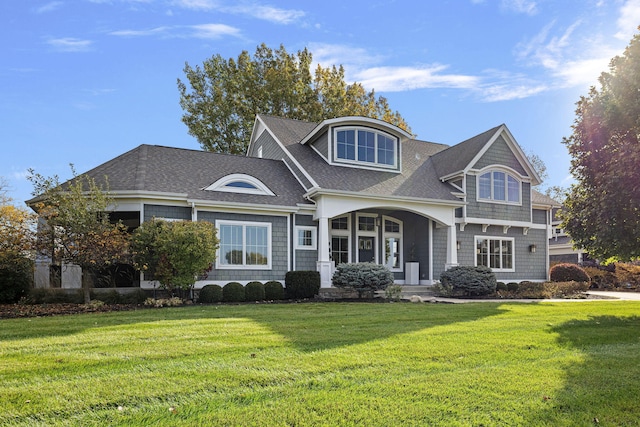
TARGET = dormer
(358,142)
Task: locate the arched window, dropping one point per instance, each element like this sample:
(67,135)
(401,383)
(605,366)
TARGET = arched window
(499,186)
(365,146)
(240,183)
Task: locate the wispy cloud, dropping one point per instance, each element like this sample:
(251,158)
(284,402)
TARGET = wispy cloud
(70,44)
(396,79)
(213,31)
(48,7)
(629,20)
(201,31)
(255,10)
(528,7)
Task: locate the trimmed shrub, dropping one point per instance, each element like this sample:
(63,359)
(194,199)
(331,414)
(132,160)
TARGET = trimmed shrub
(273,290)
(136,297)
(16,280)
(627,275)
(536,290)
(501,286)
(302,284)
(601,278)
(233,292)
(254,291)
(513,286)
(568,273)
(469,280)
(569,289)
(210,294)
(362,276)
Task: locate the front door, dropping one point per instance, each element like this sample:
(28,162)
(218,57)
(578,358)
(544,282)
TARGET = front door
(366,249)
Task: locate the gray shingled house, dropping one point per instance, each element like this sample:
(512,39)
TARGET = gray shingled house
(352,189)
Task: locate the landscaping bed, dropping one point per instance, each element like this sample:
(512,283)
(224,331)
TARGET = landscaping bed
(11,311)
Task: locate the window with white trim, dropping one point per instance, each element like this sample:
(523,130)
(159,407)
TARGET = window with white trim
(244,245)
(499,186)
(306,238)
(240,183)
(340,239)
(365,146)
(496,253)
(392,235)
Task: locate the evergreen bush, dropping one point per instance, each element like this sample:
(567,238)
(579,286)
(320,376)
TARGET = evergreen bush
(254,291)
(273,290)
(233,292)
(210,294)
(362,276)
(469,280)
(302,284)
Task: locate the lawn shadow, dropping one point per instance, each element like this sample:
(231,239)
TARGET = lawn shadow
(307,326)
(323,326)
(603,388)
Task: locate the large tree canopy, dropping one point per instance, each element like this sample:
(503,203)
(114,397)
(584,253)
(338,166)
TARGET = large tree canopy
(224,96)
(602,212)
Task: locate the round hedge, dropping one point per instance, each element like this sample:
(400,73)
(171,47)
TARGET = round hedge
(210,294)
(254,291)
(568,273)
(273,290)
(233,292)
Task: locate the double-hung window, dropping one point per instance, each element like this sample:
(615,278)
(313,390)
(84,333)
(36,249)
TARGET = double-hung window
(392,243)
(244,245)
(306,237)
(495,253)
(499,186)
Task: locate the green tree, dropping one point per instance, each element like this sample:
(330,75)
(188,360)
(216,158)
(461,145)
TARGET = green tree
(224,96)
(174,252)
(602,209)
(75,226)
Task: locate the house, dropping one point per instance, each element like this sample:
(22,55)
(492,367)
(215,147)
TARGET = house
(561,248)
(308,196)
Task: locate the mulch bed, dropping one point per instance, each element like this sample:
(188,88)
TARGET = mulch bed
(12,311)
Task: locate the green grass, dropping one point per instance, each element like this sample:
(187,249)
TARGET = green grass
(327,364)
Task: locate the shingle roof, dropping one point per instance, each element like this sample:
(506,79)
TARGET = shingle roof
(175,170)
(456,158)
(418,178)
(538,198)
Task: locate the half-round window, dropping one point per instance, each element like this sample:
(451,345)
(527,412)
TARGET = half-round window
(240,183)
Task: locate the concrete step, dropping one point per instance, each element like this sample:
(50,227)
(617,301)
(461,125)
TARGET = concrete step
(410,290)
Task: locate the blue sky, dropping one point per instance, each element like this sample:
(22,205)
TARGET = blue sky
(82,81)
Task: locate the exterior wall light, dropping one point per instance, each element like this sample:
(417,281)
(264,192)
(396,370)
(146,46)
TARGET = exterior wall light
(532,248)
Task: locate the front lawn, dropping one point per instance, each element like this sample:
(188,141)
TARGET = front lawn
(311,364)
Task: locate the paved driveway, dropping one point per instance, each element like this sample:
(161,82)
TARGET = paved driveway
(629,296)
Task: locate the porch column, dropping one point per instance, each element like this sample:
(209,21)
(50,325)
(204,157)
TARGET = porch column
(324,264)
(452,247)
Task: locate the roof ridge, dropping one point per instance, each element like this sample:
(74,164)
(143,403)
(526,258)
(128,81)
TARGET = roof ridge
(141,166)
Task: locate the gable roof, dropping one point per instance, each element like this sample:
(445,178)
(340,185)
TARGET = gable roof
(186,173)
(458,159)
(417,179)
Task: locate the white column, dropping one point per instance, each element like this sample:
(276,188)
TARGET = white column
(452,247)
(324,263)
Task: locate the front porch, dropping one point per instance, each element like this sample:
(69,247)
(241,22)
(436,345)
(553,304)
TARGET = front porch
(416,241)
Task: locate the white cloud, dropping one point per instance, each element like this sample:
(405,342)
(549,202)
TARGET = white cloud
(70,44)
(629,20)
(141,33)
(396,79)
(267,13)
(213,31)
(255,10)
(528,7)
(201,31)
(49,7)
